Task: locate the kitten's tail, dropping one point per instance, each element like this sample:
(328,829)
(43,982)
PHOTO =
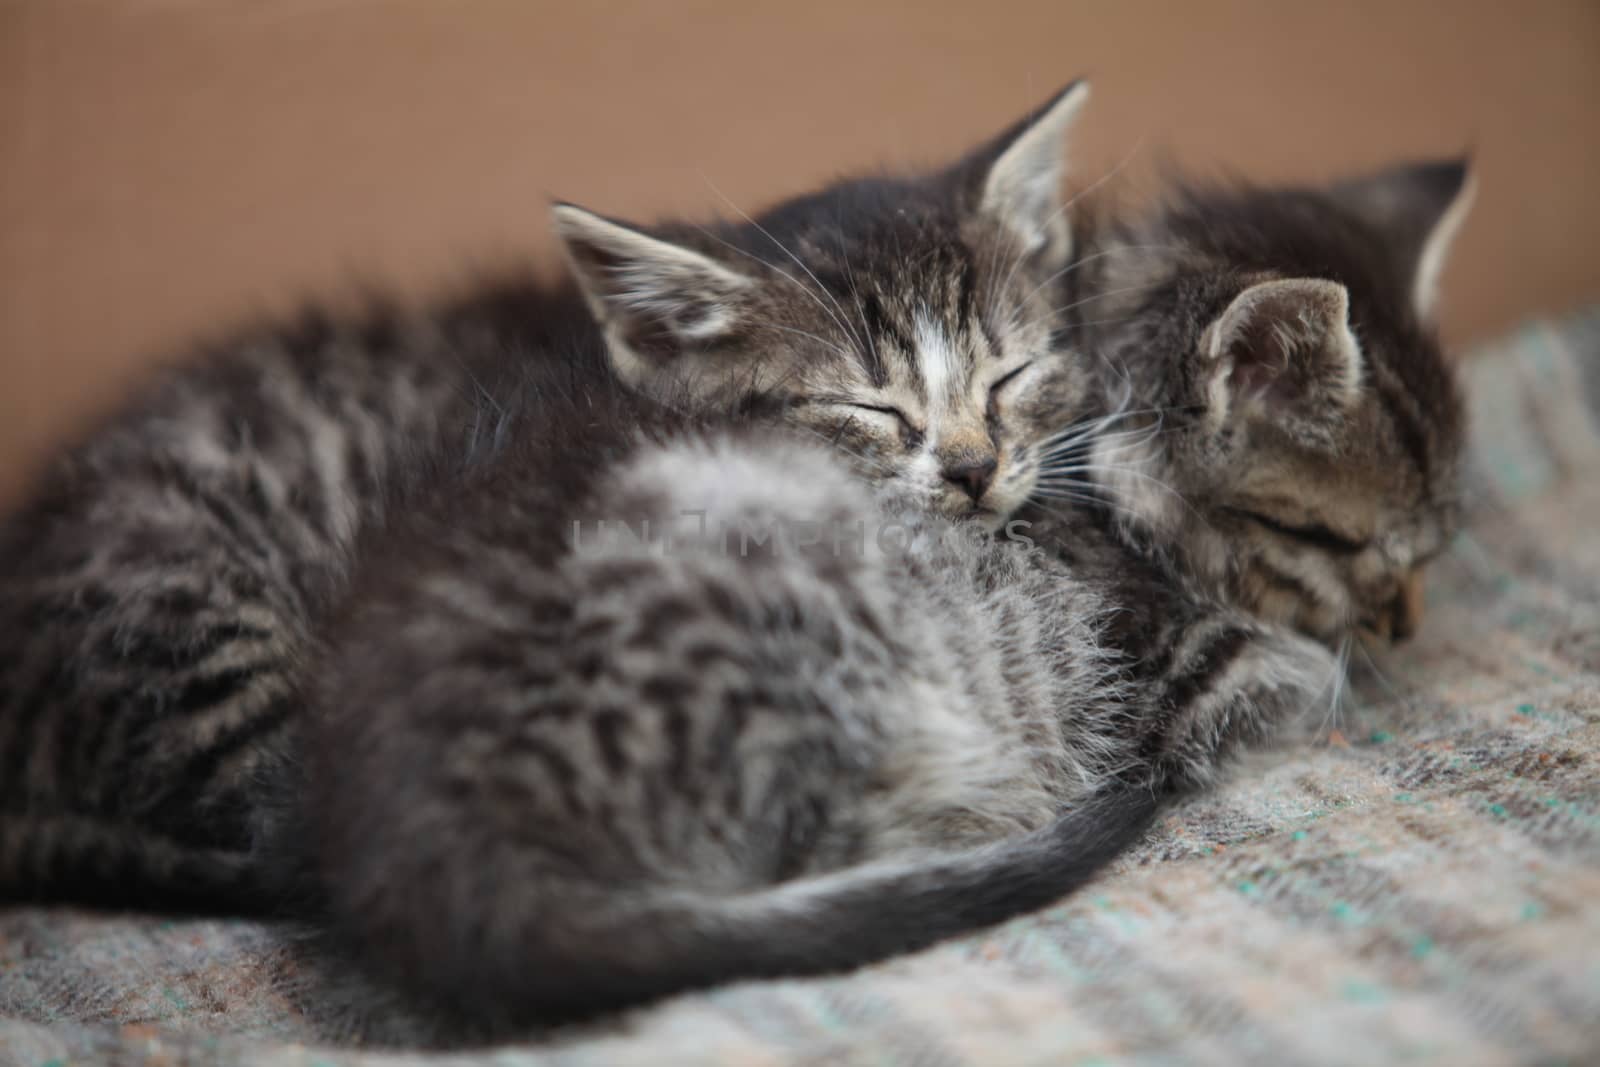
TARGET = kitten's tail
(603,947)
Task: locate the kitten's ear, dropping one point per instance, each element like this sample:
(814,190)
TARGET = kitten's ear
(660,304)
(1022,176)
(1421,206)
(1283,349)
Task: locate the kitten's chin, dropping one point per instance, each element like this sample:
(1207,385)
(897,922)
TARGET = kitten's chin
(985,518)
(998,507)
(989,520)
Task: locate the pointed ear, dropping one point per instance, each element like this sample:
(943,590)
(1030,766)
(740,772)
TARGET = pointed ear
(1421,206)
(661,305)
(1282,349)
(1022,175)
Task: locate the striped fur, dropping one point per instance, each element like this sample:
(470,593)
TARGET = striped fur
(1303,428)
(555,771)
(158,594)
(161,591)
(519,794)
(909,323)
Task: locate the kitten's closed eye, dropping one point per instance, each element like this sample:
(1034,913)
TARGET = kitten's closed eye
(1001,383)
(1314,535)
(910,435)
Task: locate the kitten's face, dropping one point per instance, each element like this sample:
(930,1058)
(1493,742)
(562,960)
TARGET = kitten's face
(952,380)
(1307,453)
(908,321)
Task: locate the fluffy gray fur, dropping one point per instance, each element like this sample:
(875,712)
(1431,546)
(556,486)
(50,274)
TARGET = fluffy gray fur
(161,590)
(521,797)
(551,782)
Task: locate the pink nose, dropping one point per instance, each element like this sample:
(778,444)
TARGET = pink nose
(973,476)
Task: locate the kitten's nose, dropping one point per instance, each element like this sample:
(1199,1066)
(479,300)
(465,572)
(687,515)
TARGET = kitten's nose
(973,476)
(1405,611)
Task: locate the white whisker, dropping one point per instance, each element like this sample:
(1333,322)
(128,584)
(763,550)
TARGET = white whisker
(838,350)
(1337,689)
(1067,205)
(1118,440)
(1089,426)
(1378,673)
(838,313)
(1054,312)
(1068,494)
(1073,266)
(786,276)
(855,294)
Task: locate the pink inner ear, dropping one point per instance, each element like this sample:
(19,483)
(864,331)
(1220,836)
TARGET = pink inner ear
(1285,340)
(1265,377)
(1262,367)
(1252,378)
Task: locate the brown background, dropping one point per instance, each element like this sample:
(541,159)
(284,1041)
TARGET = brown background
(166,165)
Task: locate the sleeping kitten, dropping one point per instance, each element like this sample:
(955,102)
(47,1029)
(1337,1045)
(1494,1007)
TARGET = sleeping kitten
(1294,431)
(578,779)
(553,771)
(907,322)
(162,589)
(1279,418)
(1278,429)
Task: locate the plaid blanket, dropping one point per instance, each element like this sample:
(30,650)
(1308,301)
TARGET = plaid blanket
(1422,885)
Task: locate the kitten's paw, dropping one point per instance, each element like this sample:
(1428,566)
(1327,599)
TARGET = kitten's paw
(1237,683)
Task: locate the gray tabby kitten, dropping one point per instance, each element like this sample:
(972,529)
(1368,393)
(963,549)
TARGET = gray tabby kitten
(1304,429)
(556,767)
(553,775)
(163,588)
(909,323)
(1282,424)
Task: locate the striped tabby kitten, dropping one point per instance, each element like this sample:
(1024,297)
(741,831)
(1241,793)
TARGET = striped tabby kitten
(548,777)
(909,323)
(797,729)
(1304,429)
(161,591)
